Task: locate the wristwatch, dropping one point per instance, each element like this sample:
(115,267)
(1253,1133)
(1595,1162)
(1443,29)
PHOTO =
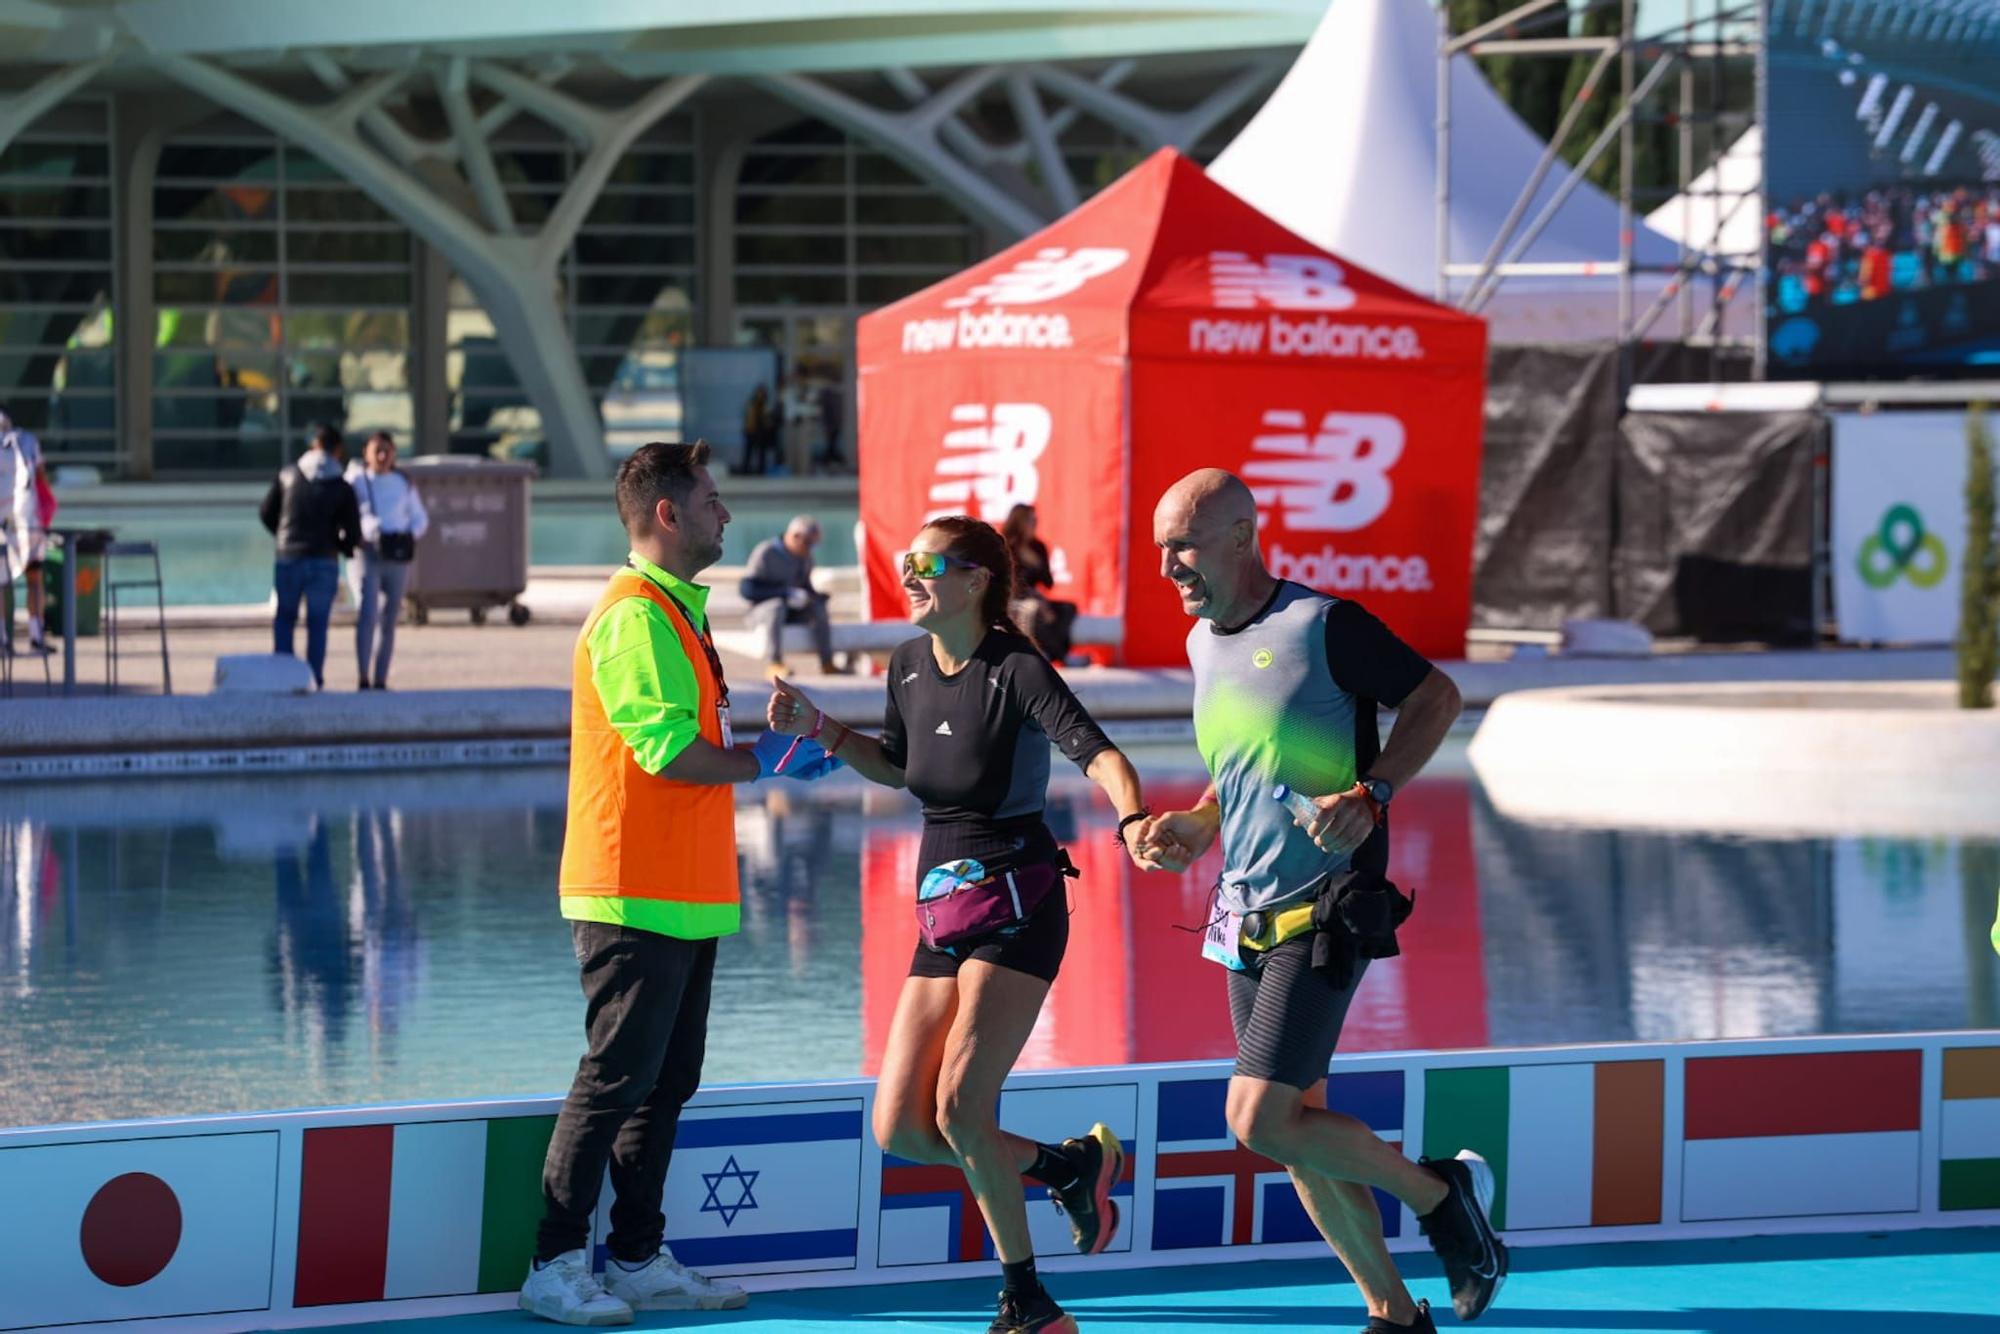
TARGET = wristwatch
(1381,789)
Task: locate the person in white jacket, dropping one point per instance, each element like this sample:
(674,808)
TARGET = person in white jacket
(392,519)
(22,532)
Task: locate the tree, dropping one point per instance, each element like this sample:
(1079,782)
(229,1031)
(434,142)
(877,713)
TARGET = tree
(1979,593)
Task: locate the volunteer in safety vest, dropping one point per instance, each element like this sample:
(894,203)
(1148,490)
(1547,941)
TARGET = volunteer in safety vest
(648,884)
(1286,683)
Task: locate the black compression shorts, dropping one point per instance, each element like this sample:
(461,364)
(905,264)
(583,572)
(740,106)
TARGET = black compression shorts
(1287,1015)
(1036,947)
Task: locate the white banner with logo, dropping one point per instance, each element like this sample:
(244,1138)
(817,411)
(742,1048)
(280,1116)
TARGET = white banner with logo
(1898,526)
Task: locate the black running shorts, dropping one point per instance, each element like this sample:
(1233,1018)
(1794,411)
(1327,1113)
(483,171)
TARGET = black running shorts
(1036,947)
(1287,1015)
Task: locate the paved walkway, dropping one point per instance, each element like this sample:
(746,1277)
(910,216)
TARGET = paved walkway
(1909,1282)
(450,653)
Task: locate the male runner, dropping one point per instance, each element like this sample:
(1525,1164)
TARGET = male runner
(1286,684)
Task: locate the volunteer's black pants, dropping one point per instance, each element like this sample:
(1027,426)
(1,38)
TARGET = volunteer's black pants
(647,1020)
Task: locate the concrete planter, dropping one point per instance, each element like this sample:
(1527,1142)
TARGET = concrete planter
(1805,758)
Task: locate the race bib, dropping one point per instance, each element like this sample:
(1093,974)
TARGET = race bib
(1223,941)
(728,734)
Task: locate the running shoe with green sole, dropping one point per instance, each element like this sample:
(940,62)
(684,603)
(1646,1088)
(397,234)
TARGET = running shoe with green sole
(1086,1201)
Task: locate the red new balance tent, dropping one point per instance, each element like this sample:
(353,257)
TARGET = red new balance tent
(1164,326)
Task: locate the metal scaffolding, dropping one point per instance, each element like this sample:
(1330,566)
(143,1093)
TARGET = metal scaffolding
(1703,281)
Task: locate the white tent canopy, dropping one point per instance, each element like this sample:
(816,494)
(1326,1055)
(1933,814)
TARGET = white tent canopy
(1345,154)
(1731,190)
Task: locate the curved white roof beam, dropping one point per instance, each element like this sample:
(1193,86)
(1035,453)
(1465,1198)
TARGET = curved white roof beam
(750,37)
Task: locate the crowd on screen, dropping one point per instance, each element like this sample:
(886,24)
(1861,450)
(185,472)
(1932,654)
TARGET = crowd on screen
(1896,238)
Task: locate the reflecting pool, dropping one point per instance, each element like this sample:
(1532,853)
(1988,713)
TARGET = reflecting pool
(197,945)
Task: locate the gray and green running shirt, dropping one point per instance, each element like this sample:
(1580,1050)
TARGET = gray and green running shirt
(1289,697)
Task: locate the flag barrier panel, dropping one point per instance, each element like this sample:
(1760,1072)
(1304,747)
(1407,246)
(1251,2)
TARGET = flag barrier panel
(333,1216)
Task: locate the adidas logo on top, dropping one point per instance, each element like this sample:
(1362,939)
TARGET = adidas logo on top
(944,729)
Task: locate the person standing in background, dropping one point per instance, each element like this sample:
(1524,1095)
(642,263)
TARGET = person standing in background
(25,524)
(311,510)
(392,519)
(760,431)
(832,417)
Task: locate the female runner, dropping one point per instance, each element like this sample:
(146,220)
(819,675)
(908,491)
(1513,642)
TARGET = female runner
(972,710)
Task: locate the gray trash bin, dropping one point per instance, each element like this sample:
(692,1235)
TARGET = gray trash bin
(475,554)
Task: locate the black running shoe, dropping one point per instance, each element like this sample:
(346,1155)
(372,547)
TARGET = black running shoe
(1475,1260)
(1421,1325)
(1036,1313)
(1086,1201)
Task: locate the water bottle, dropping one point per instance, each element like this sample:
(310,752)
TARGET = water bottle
(1302,807)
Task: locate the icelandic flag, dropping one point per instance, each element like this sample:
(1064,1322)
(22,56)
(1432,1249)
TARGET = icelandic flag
(762,1188)
(1211,1191)
(929,1216)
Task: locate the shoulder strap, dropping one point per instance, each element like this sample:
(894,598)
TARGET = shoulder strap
(700,633)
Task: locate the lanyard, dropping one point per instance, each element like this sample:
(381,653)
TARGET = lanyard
(707,645)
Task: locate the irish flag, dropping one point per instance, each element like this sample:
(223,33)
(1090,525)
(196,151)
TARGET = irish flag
(424,1209)
(1969,1130)
(1570,1145)
(1795,1136)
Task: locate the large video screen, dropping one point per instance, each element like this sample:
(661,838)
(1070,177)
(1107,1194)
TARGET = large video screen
(1882,188)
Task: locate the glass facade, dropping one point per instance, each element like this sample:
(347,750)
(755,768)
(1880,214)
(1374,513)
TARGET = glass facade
(285,296)
(626,287)
(826,230)
(58,360)
(282,299)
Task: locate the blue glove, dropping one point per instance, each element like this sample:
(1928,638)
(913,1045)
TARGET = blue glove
(809,762)
(769,748)
(812,763)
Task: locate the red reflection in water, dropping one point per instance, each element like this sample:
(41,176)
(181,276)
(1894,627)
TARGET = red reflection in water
(1135,989)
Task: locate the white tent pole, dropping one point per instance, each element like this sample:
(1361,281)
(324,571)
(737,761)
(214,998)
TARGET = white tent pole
(1541,173)
(1443,154)
(1478,299)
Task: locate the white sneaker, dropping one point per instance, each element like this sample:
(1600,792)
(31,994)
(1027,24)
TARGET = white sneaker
(665,1284)
(565,1291)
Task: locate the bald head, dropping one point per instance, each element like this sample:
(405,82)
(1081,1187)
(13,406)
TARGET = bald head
(1206,529)
(1209,498)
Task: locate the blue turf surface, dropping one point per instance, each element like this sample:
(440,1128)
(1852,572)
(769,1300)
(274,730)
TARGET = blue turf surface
(1894,1283)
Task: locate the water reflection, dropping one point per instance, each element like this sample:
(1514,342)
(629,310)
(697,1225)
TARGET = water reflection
(209,945)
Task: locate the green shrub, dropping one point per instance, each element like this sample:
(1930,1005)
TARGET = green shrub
(1979,606)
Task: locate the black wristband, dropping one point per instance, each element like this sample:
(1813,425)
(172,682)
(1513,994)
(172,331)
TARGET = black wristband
(1141,814)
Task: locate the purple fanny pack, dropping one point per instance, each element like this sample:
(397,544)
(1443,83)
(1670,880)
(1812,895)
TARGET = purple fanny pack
(973,908)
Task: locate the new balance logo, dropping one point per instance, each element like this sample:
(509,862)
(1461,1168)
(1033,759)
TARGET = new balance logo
(989,464)
(1288,282)
(1333,479)
(1045,276)
(911,677)
(944,729)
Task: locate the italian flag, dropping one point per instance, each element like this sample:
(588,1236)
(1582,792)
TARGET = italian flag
(1969,1130)
(1570,1145)
(425,1209)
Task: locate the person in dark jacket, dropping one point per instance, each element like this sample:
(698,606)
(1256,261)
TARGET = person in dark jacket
(778,585)
(311,510)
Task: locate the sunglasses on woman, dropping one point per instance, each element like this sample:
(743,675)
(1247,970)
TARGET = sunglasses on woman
(933,564)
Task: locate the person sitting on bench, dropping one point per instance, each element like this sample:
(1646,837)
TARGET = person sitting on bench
(779,589)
